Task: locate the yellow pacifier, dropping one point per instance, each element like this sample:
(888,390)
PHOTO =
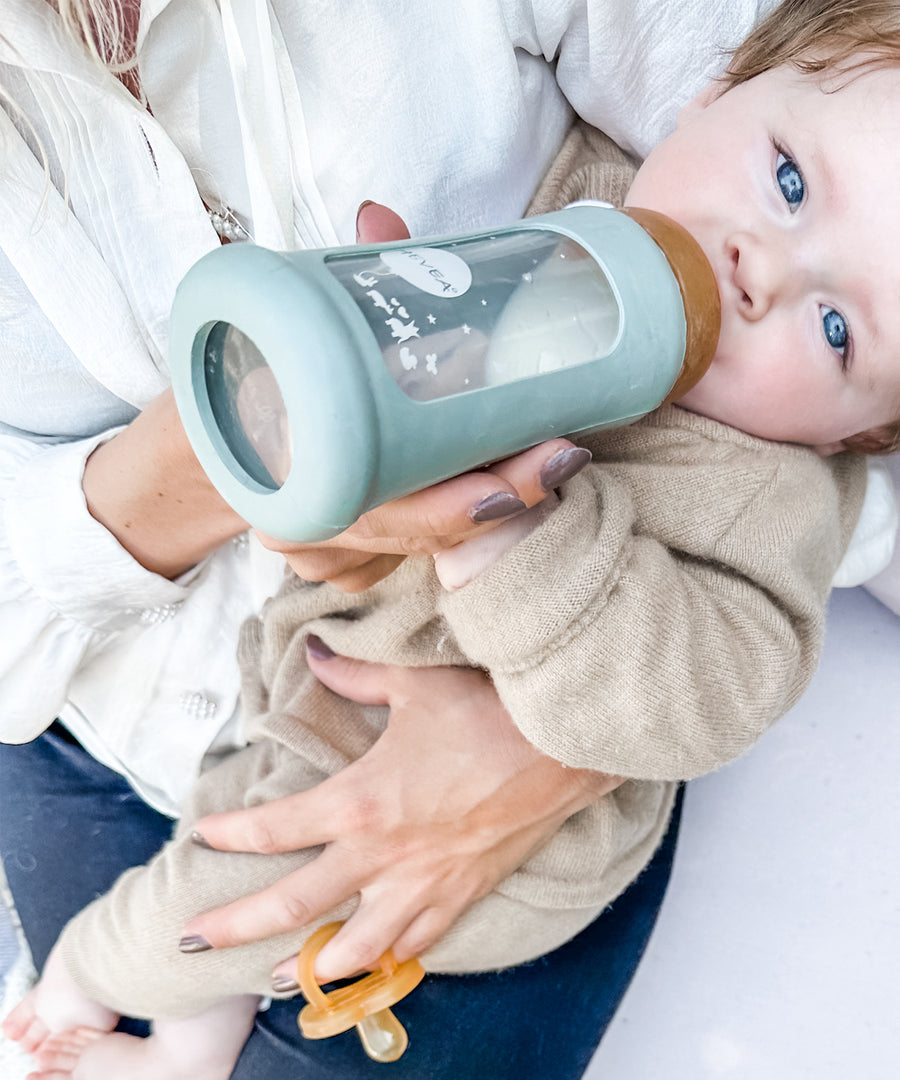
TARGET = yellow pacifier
(364,1004)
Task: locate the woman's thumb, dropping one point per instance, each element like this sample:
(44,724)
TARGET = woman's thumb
(378,224)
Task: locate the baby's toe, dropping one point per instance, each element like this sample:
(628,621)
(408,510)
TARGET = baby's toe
(19,1020)
(62,1051)
(33,1036)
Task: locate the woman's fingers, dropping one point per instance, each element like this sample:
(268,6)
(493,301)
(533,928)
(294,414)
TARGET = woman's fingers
(423,522)
(348,571)
(401,911)
(368,934)
(535,472)
(281,825)
(357,680)
(319,562)
(293,902)
(420,523)
(435,518)
(364,938)
(425,931)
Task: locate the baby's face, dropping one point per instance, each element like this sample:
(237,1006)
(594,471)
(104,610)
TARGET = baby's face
(794,195)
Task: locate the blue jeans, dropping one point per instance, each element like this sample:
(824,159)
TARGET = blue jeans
(69,827)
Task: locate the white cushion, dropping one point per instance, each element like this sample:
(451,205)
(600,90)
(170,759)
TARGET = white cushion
(885,585)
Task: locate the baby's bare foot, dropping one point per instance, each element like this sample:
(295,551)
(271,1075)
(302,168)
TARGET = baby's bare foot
(202,1047)
(56,1005)
(115,1054)
(24,1026)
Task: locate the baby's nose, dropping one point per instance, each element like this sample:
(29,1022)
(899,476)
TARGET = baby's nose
(760,274)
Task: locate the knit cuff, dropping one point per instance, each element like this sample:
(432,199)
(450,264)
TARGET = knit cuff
(540,590)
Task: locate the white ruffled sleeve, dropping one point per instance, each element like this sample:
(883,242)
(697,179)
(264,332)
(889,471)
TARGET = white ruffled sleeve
(66,585)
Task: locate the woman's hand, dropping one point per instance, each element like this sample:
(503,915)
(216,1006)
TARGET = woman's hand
(448,802)
(435,519)
(147,488)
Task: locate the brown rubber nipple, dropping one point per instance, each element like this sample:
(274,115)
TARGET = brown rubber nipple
(695,277)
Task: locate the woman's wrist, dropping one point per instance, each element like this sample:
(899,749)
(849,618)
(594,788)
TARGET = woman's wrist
(550,789)
(147,488)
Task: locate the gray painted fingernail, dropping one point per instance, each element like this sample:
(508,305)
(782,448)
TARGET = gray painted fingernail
(563,466)
(200,840)
(499,505)
(284,984)
(194,943)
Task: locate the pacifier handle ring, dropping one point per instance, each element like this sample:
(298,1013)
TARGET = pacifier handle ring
(356,1003)
(306,961)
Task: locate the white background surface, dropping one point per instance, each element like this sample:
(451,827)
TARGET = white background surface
(776,955)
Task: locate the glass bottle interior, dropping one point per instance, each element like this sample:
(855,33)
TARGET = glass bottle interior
(247,405)
(482,311)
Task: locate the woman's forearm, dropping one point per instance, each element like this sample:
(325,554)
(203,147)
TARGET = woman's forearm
(147,488)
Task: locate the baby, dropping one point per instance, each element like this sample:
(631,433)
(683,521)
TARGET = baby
(675,596)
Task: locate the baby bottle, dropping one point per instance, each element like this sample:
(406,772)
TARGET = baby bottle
(315,385)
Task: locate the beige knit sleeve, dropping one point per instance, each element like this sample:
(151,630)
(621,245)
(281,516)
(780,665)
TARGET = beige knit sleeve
(669,611)
(589,165)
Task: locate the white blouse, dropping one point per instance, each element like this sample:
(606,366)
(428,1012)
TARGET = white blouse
(288,114)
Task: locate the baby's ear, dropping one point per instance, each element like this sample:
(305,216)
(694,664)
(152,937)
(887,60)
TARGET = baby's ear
(699,102)
(878,440)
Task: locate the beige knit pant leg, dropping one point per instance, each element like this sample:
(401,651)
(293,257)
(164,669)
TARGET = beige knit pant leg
(123,951)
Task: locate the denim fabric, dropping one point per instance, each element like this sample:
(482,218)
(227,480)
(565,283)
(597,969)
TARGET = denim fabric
(69,827)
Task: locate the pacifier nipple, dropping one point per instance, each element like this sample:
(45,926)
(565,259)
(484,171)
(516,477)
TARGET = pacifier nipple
(364,1004)
(383,1037)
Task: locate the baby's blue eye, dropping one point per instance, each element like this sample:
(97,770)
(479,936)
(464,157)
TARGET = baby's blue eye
(790,180)
(835,327)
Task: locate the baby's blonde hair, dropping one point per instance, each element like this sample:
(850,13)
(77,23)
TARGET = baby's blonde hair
(817,37)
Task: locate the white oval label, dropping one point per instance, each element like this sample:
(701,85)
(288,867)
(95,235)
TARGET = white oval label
(433,270)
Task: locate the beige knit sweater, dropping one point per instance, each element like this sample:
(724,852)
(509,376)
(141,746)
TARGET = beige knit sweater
(654,626)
